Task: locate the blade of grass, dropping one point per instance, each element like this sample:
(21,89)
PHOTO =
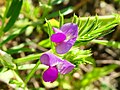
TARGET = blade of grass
(3,19)
(19,50)
(12,8)
(13,35)
(13,17)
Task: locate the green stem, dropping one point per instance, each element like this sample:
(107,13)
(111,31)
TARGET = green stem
(27,58)
(75,19)
(61,20)
(32,72)
(31,66)
(101,18)
(50,33)
(107,43)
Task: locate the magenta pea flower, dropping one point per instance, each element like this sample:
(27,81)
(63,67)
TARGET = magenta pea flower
(65,37)
(56,65)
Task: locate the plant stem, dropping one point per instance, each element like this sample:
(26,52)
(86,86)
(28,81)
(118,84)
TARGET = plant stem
(31,66)
(101,18)
(27,58)
(104,19)
(32,72)
(61,19)
(107,43)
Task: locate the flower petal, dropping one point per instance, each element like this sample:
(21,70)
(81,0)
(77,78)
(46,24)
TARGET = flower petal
(63,47)
(58,37)
(56,30)
(66,67)
(70,30)
(49,59)
(50,75)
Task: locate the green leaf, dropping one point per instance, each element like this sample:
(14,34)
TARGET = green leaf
(19,50)
(108,43)
(16,82)
(96,73)
(6,59)
(94,28)
(14,16)
(45,43)
(77,56)
(13,35)
(55,2)
(65,11)
(102,29)
(12,8)
(83,27)
(75,19)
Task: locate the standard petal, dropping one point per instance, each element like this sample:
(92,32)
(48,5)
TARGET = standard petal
(70,30)
(49,59)
(66,67)
(58,37)
(50,75)
(63,47)
(66,27)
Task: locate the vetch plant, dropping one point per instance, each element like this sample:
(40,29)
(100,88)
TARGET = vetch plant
(63,41)
(65,37)
(56,65)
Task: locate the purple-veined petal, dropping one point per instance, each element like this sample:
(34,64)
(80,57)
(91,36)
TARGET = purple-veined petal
(58,37)
(50,75)
(70,30)
(49,59)
(66,67)
(63,47)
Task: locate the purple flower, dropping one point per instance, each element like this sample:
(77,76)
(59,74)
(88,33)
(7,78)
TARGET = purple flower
(56,65)
(65,37)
